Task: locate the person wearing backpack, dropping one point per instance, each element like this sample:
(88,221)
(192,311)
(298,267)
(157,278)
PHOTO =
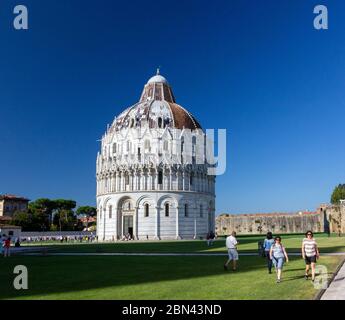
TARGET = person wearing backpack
(277,254)
(268,242)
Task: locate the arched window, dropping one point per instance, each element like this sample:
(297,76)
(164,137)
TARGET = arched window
(167,207)
(110,212)
(201,211)
(147,210)
(131,123)
(194,149)
(186,210)
(127,179)
(160,122)
(160,177)
(114,147)
(191,178)
(147,144)
(165,145)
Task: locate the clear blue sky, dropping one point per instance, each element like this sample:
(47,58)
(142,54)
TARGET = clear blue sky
(256,68)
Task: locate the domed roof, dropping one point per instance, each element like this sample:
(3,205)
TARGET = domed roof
(157,108)
(158,78)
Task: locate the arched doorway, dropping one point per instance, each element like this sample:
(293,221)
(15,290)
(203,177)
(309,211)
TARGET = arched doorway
(126,217)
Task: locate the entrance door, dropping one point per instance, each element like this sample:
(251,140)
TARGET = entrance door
(128,225)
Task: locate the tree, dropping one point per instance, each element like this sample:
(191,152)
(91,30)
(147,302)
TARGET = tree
(87,211)
(42,209)
(64,215)
(338,194)
(22,219)
(65,220)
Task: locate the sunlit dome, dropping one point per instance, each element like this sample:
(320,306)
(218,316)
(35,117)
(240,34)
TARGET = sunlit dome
(157,78)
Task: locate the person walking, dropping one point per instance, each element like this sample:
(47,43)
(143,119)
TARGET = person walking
(7,247)
(277,255)
(310,254)
(268,242)
(231,244)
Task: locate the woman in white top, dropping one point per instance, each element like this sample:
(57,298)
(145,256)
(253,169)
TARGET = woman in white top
(310,253)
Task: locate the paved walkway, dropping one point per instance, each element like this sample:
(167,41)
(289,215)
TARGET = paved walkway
(336,290)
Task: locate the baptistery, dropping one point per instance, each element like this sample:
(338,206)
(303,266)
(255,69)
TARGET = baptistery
(152,172)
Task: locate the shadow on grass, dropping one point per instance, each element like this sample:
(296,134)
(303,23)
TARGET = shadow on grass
(54,275)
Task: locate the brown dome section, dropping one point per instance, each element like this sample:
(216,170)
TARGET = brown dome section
(182,118)
(156,108)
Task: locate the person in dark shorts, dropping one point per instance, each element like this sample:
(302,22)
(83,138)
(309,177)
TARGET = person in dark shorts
(310,253)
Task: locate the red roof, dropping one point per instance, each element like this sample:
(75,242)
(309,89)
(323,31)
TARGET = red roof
(12,197)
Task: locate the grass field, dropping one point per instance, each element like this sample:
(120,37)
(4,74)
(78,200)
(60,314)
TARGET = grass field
(164,277)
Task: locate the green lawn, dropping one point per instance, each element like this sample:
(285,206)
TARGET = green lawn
(247,244)
(165,277)
(111,277)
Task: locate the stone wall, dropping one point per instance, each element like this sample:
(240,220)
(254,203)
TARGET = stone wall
(327,218)
(276,223)
(334,216)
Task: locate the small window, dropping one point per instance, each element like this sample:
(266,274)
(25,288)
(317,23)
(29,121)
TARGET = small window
(201,211)
(147,210)
(114,148)
(127,179)
(110,212)
(191,178)
(186,210)
(160,122)
(167,208)
(131,123)
(160,177)
(147,144)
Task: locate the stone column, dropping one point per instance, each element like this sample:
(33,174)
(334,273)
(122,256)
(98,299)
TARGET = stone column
(142,180)
(121,231)
(170,181)
(183,180)
(135,224)
(177,224)
(156,181)
(104,218)
(115,222)
(157,225)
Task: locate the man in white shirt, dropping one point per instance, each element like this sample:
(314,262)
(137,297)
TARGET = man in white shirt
(231,244)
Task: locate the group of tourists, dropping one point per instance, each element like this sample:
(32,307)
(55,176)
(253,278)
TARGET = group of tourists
(276,255)
(60,238)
